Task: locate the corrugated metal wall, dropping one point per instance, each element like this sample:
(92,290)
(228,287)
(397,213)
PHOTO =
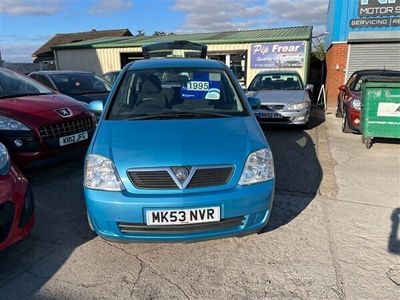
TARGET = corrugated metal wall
(110,58)
(373,56)
(78,59)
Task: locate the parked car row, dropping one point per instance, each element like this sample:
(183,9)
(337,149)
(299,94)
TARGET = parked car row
(214,153)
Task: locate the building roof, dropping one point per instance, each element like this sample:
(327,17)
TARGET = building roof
(71,38)
(227,37)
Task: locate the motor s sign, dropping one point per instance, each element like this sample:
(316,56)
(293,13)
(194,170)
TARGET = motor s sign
(379,8)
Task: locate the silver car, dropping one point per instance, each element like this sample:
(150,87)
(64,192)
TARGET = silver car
(284,99)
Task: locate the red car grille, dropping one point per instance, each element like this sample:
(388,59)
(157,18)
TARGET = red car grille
(54,131)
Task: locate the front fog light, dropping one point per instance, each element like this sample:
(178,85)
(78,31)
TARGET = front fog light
(18,143)
(100,174)
(259,167)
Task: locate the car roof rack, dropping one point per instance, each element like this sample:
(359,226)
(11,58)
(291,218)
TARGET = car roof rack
(166,49)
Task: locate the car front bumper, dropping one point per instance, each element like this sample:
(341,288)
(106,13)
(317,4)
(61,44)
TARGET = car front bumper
(107,210)
(299,117)
(16,209)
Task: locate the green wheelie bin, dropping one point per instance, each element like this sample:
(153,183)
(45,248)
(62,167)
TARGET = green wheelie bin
(380,109)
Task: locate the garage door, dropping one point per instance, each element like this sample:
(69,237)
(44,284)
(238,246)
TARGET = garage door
(373,56)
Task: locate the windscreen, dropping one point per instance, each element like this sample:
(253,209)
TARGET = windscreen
(175,92)
(276,82)
(78,84)
(13,84)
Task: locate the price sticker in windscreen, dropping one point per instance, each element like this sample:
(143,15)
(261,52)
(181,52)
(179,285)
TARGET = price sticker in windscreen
(202,86)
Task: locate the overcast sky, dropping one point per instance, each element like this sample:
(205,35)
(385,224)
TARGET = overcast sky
(26,24)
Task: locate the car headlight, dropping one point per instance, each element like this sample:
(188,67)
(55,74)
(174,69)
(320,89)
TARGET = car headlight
(259,167)
(11,124)
(298,106)
(5,163)
(356,103)
(100,174)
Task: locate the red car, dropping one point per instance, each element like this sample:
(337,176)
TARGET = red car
(349,98)
(16,203)
(38,125)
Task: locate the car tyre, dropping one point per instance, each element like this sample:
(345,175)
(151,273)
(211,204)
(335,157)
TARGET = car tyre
(338,112)
(345,123)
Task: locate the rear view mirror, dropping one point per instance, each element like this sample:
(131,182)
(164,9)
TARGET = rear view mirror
(96,107)
(343,88)
(255,103)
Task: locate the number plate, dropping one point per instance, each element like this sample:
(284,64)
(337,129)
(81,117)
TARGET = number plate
(269,115)
(183,216)
(74,138)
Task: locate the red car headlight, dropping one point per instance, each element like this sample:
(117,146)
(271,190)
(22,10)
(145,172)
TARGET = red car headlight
(356,103)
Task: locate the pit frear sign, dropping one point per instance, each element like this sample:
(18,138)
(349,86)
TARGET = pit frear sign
(277,55)
(377,13)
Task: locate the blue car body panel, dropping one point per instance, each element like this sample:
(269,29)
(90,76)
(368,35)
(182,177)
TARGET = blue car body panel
(178,142)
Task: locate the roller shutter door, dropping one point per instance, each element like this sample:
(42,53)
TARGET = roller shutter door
(373,56)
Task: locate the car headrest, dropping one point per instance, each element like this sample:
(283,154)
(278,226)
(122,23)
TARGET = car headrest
(152,85)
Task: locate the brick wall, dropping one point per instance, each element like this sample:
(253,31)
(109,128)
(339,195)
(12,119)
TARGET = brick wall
(336,56)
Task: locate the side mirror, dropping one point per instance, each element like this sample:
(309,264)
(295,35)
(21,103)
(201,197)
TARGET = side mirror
(310,87)
(343,88)
(5,163)
(96,107)
(255,103)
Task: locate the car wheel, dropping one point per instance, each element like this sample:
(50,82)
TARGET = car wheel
(345,123)
(338,111)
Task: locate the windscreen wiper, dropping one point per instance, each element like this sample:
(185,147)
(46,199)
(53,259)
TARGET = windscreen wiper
(179,115)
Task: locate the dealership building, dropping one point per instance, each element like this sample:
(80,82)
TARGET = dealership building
(362,34)
(245,52)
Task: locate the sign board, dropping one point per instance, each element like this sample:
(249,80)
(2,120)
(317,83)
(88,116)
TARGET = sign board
(379,8)
(375,22)
(277,55)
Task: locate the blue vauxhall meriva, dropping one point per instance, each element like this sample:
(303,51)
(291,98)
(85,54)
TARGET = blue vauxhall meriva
(177,156)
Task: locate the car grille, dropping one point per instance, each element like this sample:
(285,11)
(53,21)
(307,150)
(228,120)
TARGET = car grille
(161,179)
(273,106)
(54,131)
(132,228)
(152,180)
(210,177)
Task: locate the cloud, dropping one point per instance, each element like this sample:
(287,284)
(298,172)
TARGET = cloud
(107,6)
(220,15)
(17,52)
(305,12)
(30,8)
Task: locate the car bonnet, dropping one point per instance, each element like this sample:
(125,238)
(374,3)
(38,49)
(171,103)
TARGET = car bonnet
(171,143)
(286,97)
